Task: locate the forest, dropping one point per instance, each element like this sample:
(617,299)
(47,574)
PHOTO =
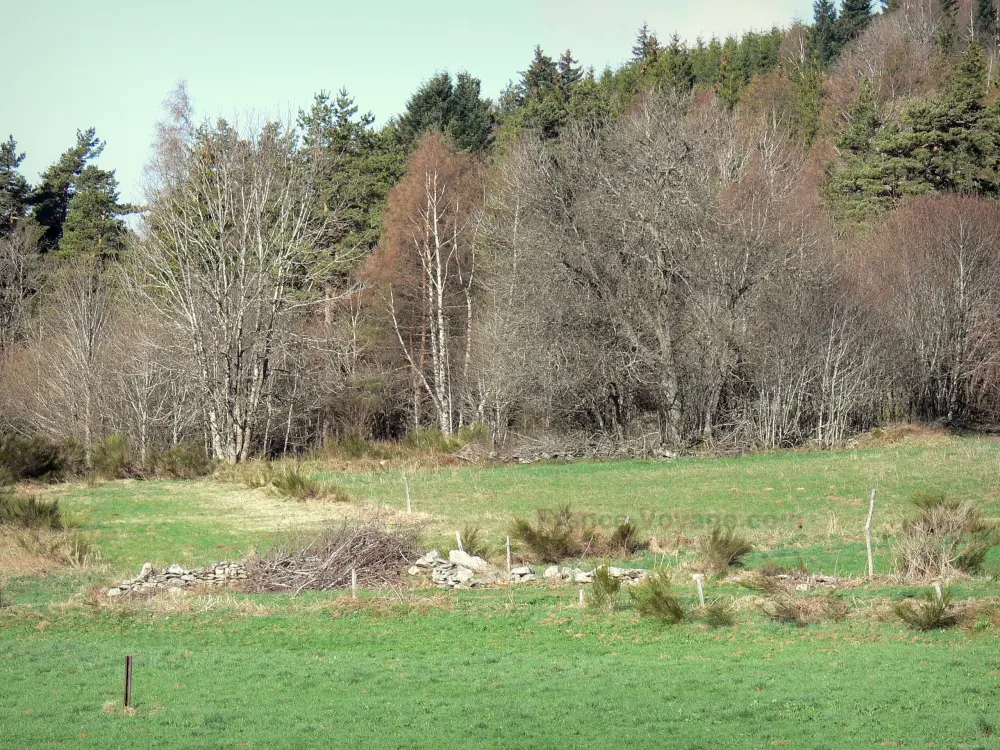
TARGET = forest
(783,238)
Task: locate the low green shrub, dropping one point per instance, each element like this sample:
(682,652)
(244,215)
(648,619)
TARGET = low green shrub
(945,537)
(71,547)
(654,598)
(293,482)
(431,439)
(29,458)
(625,538)
(184,461)
(111,458)
(718,615)
(474,543)
(928,612)
(604,590)
(723,548)
(29,512)
(558,534)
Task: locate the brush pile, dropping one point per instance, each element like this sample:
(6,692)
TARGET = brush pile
(376,551)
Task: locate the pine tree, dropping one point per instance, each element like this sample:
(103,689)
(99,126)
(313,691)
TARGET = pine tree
(645,47)
(947,30)
(986,24)
(95,227)
(673,67)
(854,18)
(824,37)
(569,73)
(454,108)
(14,189)
(540,77)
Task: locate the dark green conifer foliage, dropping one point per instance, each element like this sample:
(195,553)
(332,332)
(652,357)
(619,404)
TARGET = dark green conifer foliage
(986,25)
(76,202)
(14,188)
(854,18)
(825,35)
(951,143)
(948,28)
(356,167)
(454,108)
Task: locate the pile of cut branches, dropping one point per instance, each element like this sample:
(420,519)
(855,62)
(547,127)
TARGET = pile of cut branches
(372,548)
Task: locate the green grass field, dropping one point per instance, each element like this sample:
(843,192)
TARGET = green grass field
(518,667)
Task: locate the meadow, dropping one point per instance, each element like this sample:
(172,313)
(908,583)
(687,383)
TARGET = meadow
(518,666)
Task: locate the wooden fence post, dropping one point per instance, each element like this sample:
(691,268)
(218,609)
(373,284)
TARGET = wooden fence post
(868,536)
(128,682)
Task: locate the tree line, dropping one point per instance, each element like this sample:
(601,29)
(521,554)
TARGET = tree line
(757,242)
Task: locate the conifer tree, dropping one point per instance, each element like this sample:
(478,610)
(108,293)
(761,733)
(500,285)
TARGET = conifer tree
(987,27)
(854,18)
(948,27)
(74,185)
(824,37)
(14,189)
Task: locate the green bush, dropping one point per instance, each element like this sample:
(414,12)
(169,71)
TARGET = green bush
(557,535)
(928,612)
(654,598)
(474,543)
(29,458)
(719,616)
(723,548)
(29,512)
(604,590)
(293,482)
(625,538)
(945,537)
(430,439)
(185,461)
(111,458)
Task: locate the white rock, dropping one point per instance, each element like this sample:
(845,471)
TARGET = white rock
(581,577)
(552,572)
(114,592)
(146,572)
(465,560)
(429,560)
(529,577)
(462,575)
(176,570)
(414,571)
(522,570)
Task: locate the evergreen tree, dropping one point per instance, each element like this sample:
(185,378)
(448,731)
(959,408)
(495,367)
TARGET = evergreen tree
(569,73)
(948,28)
(645,47)
(951,143)
(454,108)
(14,189)
(854,18)
(986,24)
(540,77)
(356,167)
(824,37)
(673,67)
(95,226)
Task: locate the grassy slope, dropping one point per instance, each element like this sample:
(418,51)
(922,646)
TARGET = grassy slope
(522,671)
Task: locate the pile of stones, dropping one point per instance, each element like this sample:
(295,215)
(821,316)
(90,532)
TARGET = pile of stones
(176,577)
(462,570)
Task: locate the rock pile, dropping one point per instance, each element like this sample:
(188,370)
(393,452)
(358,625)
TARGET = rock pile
(175,577)
(461,570)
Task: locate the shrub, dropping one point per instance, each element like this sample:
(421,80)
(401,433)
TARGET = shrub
(945,537)
(29,512)
(557,535)
(293,482)
(835,608)
(68,547)
(29,458)
(719,616)
(653,598)
(928,612)
(786,609)
(625,538)
(431,439)
(111,458)
(473,541)
(185,461)
(354,447)
(723,548)
(604,590)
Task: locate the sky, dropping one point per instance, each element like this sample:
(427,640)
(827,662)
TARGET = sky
(110,63)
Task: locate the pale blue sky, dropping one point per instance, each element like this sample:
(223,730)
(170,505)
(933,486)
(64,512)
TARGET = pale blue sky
(109,63)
